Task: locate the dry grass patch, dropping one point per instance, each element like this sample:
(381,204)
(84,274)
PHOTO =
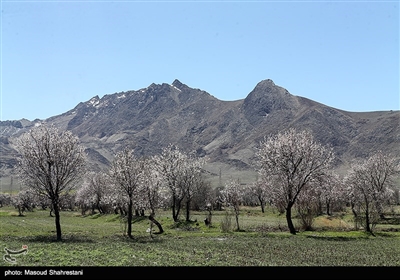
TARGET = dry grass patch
(332,222)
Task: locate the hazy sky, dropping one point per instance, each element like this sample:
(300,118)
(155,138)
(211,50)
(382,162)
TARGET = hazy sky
(55,54)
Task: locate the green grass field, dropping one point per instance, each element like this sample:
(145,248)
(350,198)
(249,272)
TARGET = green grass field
(99,240)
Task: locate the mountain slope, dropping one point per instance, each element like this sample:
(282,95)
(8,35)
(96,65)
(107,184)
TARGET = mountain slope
(227,132)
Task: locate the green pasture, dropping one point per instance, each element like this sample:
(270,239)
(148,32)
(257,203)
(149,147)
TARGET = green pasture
(99,240)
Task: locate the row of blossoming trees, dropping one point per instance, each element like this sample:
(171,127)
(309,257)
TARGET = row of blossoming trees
(52,166)
(297,172)
(135,184)
(294,171)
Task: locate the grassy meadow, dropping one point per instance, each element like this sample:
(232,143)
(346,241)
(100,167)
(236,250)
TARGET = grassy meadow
(263,240)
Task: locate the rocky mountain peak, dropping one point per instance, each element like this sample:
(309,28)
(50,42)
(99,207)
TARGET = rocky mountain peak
(176,83)
(268,87)
(267,84)
(94,100)
(267,98)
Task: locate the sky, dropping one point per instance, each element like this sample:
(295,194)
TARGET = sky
(55,54)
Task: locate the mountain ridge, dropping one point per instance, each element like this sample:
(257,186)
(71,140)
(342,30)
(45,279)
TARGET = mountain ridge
(227,132)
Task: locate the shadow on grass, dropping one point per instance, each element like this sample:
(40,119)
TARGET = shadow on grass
(333,238)
(142,239)
(73,238)
(386,233)
(361,236)
(65,239)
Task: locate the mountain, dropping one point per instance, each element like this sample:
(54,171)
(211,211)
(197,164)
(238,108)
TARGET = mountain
(227,132)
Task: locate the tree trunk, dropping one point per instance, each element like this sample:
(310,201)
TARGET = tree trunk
(130,214)
(176,208)
(20,211)
(289,219)
(328,209)
(262,202)
(367,223)
(57,220)
(51,210)
(237,222)
(262,207)
(188,210)
(174,215)
(160,229)
(355,215)
(208,221)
